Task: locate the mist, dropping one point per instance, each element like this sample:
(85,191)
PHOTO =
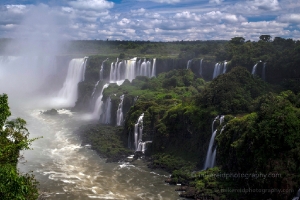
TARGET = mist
(28,66)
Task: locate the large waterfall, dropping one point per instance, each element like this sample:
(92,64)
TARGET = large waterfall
(67,95)
(100,77)
(120,111)
(211,155)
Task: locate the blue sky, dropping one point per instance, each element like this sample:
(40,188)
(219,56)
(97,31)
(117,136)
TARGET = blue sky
(154,20)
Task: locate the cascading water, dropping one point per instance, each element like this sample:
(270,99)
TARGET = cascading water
(127,69)
(220,68)
(211,155)
(189,63)
(201,69)
(100,77)
(67,95)
(120,111)
(153,71)
(99,103)
(106,112)
(95,87)
(225,67)
(138,132)
(254,69)
(217,70)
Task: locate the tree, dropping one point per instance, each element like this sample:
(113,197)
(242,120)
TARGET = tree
(14,137)
(237,40)
(266,38)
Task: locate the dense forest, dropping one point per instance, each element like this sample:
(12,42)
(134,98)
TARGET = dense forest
(256,142)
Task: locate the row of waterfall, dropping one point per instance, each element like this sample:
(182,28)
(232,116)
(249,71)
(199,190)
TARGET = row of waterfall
(119,72)
(129,69)
(211,154)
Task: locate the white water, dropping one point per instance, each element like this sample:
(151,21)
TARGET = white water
(211,155)
(217,70)
(201,68)
(224,67)
(188,66)
(64,168)
(106,114)
(220,68)
(142,146)
(122,70)
(67,96)
(67,170)
(138,131)
(254,69)
(120,111)
(98,106)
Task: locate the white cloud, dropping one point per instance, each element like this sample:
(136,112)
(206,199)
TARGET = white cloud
(91,4)
(216,1)
(265,4)
(290,18)
(164,1)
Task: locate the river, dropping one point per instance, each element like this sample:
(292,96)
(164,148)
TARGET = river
(67,170)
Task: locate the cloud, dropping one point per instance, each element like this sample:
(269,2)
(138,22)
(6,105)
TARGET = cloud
(265,4)
(164,1)
(216,1)
(91,4)
(290,18)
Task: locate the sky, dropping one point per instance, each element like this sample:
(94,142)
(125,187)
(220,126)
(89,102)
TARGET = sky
(154,20)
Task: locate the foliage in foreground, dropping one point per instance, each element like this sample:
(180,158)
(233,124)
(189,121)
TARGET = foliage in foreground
(13,139)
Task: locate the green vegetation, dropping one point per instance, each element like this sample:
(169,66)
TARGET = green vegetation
(107,141)
(13,139)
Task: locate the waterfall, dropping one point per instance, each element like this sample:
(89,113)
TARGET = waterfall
(220,68)
(98,106)
(138,131)
(120,111)
(217,70)
(105,116)
(211,155)
(100,77)
(142,146)
(95,87)
(254,69)
(263,76)
(189,63)
(68,93)
(153,71)
(201,69)
(225,67)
